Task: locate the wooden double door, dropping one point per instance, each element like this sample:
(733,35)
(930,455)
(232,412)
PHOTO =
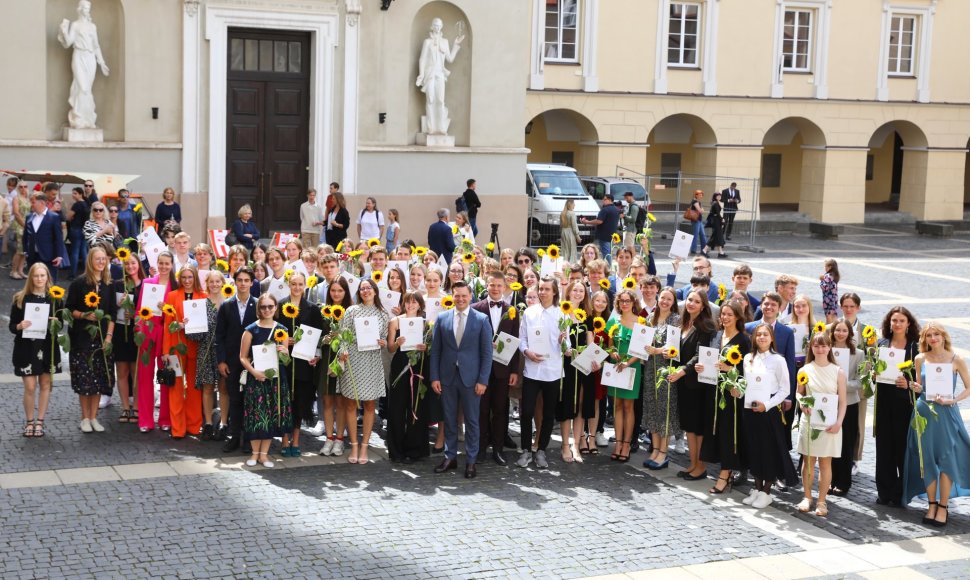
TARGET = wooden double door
(268,117)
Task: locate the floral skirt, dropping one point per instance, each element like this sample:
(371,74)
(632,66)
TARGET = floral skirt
(89,374)
(266,409)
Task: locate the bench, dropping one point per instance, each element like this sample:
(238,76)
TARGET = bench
(935,229)
(825,231)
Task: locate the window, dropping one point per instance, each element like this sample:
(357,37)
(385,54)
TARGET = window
(253,55)
(670,169)
(797,41)
(561,30)
(771,170)
(682,36)
(902,45)
(870,166)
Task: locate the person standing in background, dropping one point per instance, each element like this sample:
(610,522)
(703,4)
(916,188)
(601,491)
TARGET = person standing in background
(311,219)
(168,210)
(731,197)
(472,204)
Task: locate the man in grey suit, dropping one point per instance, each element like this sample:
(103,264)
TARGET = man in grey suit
(461,360)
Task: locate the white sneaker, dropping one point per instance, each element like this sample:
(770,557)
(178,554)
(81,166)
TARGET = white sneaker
(855,468)
(524,459)
(327,448)
(104,402)
(762,501)
(268,464)
(97,426)
(250,463)
(317,429)
(680,446)
(601,440)
(158,400)
(338,448)
(86,426)
(751,497)
(541,462)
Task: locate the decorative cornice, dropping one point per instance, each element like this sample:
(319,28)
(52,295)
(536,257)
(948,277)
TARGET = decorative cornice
(353,12)
(192,8)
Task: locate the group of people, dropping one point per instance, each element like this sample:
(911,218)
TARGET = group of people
(454,334)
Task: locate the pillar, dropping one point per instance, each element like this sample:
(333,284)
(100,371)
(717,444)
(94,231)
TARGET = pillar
(942,172)
(833,184)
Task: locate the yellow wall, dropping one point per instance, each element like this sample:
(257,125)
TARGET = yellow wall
(878,190)
(791,173)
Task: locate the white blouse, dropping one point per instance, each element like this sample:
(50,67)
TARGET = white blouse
(535,316)
(777,370)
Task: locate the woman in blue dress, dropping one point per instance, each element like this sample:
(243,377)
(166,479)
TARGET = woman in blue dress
(946,444)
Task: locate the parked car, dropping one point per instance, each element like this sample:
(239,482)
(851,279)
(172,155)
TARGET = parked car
(549,187)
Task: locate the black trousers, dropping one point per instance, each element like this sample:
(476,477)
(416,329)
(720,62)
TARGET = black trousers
(893,413)
(235,402)
(407,435)
(530,392)
(842,466)
(493,422)
(728,222)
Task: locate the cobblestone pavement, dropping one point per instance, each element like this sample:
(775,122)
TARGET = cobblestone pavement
(332,519)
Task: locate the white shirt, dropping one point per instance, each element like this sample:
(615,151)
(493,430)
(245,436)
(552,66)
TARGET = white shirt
(777,370)
(37,219)
(495,313)
(242,305)
(535,316)
(370,224)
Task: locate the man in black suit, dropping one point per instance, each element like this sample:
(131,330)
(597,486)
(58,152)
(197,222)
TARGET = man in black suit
(43,241)
(233,317)
(730,197)
(441,239)
(494,421)
(473,204)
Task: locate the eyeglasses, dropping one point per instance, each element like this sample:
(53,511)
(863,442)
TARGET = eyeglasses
(97,210)
(88,185)
(113,211)
(523,262)
(267,306)
(624,301)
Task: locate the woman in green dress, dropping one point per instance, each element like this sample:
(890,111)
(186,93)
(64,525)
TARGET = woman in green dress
(619,329)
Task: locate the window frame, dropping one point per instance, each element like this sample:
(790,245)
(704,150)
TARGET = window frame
(682,35)
(810,48)
(913,45)
(560,27)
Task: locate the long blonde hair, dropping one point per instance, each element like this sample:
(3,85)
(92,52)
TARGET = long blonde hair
(90,275)
(570,204)
(18,298)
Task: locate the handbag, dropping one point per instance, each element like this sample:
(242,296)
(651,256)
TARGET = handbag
(692,214)
(165,376)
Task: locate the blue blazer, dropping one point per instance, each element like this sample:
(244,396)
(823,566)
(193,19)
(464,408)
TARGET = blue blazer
(229,330)
(47,243)
(784,345)
(469,364)
(441,240)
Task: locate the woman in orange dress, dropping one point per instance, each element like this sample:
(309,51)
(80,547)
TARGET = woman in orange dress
(184,399)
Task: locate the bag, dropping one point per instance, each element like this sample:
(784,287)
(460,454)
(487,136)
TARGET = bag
(691,214)
(165,376)
(641,219)
(460,204)
(231,239)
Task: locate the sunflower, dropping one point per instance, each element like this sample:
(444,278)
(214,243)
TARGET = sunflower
(454,229)
(92,300)
(138,207)
(868,332)
(566,307)
(290,310)
(168,309)
(512,312)
(289,272)
(340,246)
(604,283)
(599,324)
(540,252)
(641,321)
(802,378)
(672,352)
(733,355)
(145,313)
(553,252)
(377,276)
(580,315)
(721,291)
(122,253)
(490,247)
(629,283)
(905,365)
(819,327)
(355,253)
(651,217)
(56,292)
(338,312)
(228,291)
(447,302)
(515,286)
(420,251)
(871,341)
(468,257)
(616,239)
(327,311)
(613,330)
(280,336)
(222,265)
(373,242)
(312,281)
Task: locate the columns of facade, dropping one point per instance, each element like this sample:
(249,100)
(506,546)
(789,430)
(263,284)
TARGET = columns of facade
(833,188)
(929,188)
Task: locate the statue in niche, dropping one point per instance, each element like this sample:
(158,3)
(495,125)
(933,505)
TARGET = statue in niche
(82,35)
(432,76)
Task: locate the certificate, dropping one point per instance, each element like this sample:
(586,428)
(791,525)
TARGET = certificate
(540,343)
(612,377)
(389,299)
(298,266)
(801,333)
(549,266)
(149,237)
(37,315)
(152,252)
(306,347)
(368,331)
(509,344)
(198,318)
(265,358)
(278,288)
(825,411)
(403,267)
(673,340)
(412,329)
(353,282)
(122,316)
(939,380)
(151,295)
(641,338)
(707,356)
(592,353)
(892,357)
(680,246)
(843,359)
(758,391)
(172,361)
(432,308)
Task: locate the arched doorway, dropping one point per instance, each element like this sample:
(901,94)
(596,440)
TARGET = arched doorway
(563,136)
(896,168)
(792,165)
(680,144)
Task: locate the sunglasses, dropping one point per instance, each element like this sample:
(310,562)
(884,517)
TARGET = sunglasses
(523,261)
(267,306)
(113,211)
(88,185)
(97,210)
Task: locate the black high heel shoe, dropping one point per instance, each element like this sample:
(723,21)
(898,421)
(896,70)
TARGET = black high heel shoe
(937,523)
(927,519)
(715,491)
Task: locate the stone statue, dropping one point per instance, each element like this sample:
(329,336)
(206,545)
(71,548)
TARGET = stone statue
(82,35)
(432,76)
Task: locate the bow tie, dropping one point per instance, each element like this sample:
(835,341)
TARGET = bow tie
(495,304)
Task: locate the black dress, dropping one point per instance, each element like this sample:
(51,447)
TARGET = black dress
(325,383)
(407,411)
(574,382)
(716,221)
(92,369)
(724,438)
(695,401)
(894,410)
(32,356)
(123,346)
(304,391)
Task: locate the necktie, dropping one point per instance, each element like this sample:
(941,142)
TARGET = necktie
(460,329)
(495,304)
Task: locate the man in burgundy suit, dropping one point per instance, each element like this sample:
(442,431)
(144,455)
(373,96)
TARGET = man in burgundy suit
(494,420)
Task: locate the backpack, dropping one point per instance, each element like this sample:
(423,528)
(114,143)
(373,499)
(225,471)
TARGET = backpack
(641,219)
(460,204)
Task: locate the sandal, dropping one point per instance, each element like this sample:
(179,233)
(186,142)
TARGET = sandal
(804,506)
(38,427)
(727,487)
(363,460)
(569,458)
(352,458)
(928,519)
(584,446)
(28,428)
(625,458)
(821,509)
(133,416)
(125,416)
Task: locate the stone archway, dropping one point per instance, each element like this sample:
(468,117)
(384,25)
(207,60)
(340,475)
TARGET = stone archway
(563,136)
(680,144)
(793,164)
(896,167)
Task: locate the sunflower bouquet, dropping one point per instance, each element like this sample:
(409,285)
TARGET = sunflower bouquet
(871,366)
(580,316)
(60,320)
(730,382)
(565,325)
(280,337)
(93,300)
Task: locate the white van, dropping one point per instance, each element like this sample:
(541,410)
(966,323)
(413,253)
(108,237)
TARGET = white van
(549,187)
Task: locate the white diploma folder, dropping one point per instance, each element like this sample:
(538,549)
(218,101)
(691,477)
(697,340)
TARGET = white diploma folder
(151,295)
(680,246)
(592,353)
(412,329)
(825,405)
(368,331)
(306,347)
(892,357)
(37,314)
(195,312)
(640,339)
(707,356)
(265,358)
(939,380)
(758,390)
(509,345)
(612,377)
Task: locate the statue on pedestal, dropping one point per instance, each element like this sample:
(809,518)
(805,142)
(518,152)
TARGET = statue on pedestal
(432,76)
(82,35)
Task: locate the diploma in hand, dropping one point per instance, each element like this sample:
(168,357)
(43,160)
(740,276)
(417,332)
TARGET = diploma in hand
(412,329)
(680,247)
(641,338)
(367,329)
(198,318)
(613,377)
(540,343)
(592,353)
(503,354)
(892,357)
(825,411)
(37,315)
(151,295)
(939,380)
(265,358)
(707,356)
(758,391)
(306,347)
